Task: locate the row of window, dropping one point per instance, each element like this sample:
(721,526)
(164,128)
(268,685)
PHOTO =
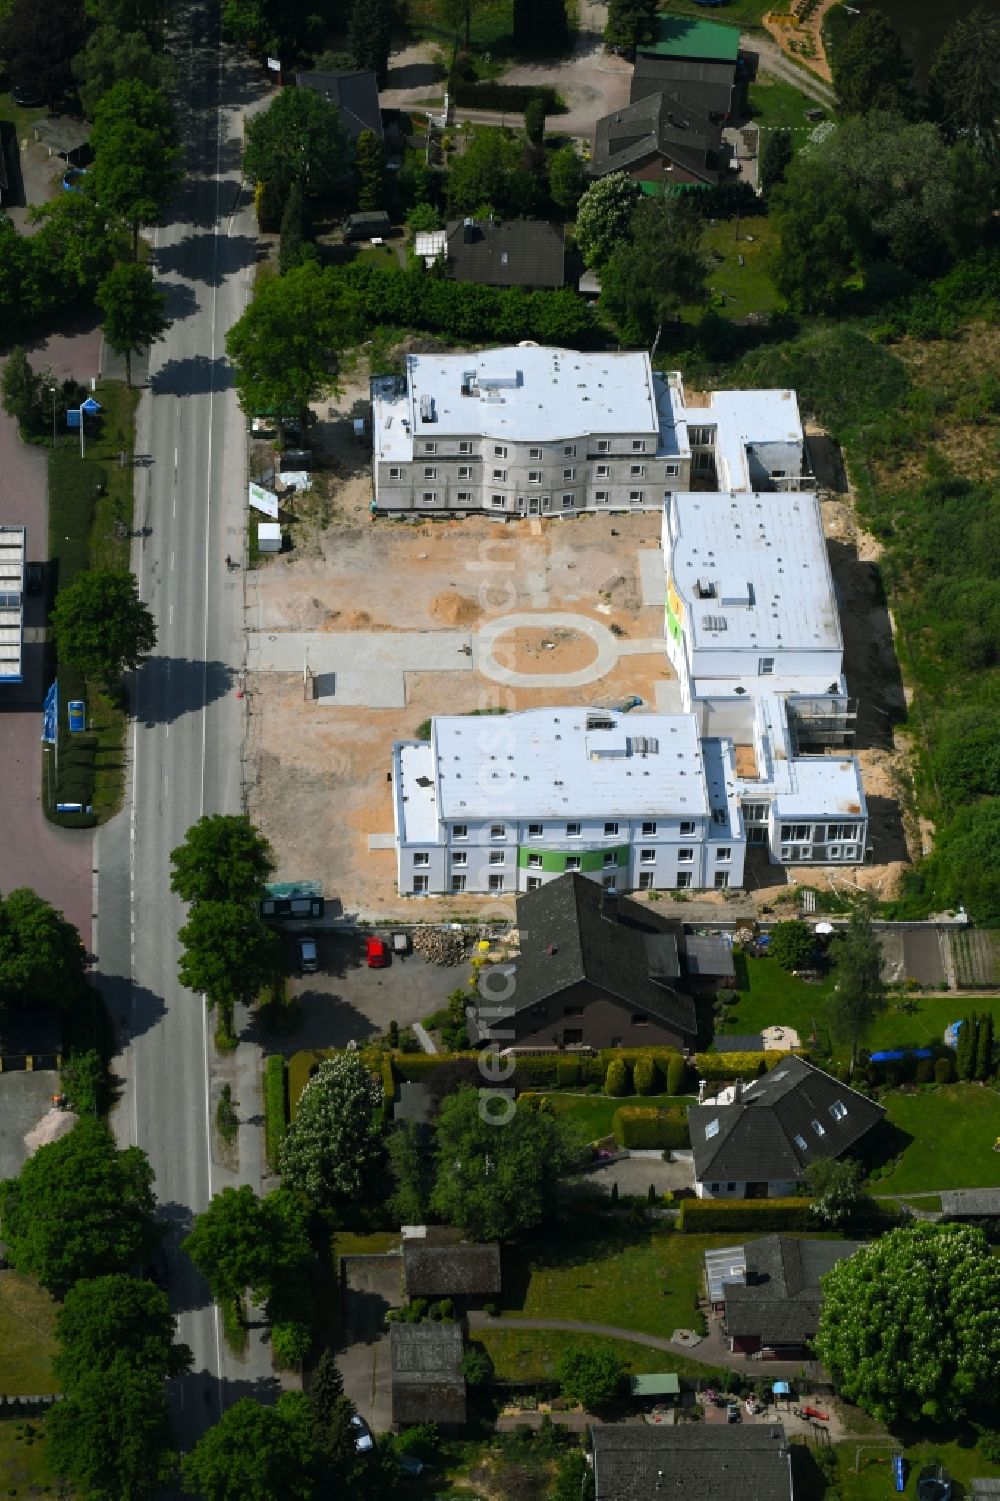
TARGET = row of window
(794,854)
(571,830)
(799,833)
(683,881)
(569,449)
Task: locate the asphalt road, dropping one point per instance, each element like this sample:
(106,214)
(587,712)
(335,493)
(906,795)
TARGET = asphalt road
(186,735)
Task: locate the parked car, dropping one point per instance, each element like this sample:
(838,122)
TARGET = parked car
(26,96)
(376,953)
(34,578)
(308,956)
(363,1440)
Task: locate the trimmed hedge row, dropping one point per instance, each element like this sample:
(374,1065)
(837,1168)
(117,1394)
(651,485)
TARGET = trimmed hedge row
(515,97)
(645,1128)
(413,1068)
(730,1065)
(388,1087)
(275,1106)
(745,1216)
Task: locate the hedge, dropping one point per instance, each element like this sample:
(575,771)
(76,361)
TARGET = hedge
(514,97)
(645,1128)
(388,1088)
(301,1068)
(660,1056)
(413,1068)
(275,1106)
(732,1065)
(745,1216)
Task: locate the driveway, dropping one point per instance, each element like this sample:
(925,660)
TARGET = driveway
(371,1286)
(346,1000)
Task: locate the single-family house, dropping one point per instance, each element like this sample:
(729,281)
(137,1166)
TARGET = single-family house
(526,253)
(699,1462)
(768,1292)
(435,1266)
(661,138)
(354,93)
(594,971)
(755,1140)
(699,60)
(427,1381)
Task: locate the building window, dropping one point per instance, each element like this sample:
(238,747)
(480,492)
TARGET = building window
(533,883)
(569,474)
(724,852)
(795,833)
(497,502)
(465,447)
(420,884)
(429,472)
(801,1143)
(460,831)
(464,497)
(683,880)
(572,862)
(610,860)
(838,1110)
(535,830)
(603,471)
(534,476)
(460,857)
(635,496)
(430,448)
(496,883)
(465,471)
(841,831)
(685,856)
(640,1019)
(498,857)
(647,857)
(602,497)
(700,436)
(421,859)
(568,501)
(645,880)
(721,880)
(637,471)
(755,812)
(499,452)
(429,497)
(569,451)
(765,666)
(818,1127)
(498,831)
(500,476)
(603,446)
(638,445)
(671,470)
(395,472)
(648,829)
(573,830)
(572,1036)
(611,828)
(572,1011)
(534,862)
(534,453)
(458,883)
(687,826)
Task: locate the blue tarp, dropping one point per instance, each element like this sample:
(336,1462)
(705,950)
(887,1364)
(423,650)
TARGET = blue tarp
(895,1054)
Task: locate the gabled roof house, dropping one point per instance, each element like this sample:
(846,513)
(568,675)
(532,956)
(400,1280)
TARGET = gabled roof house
(427,1381)
(354,93)
(695,1462)
(769,1291)
(661,137)
(756,1140)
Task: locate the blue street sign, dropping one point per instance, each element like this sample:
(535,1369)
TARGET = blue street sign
(50,714)
(73,417)
(90,405)
(77,712)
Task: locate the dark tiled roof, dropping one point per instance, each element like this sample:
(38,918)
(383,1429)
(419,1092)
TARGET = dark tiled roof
(739,1042)
(986,1488)
(450,1271)
(663,125)
(768,1134)
(568,934)
(355,93)
(708,87)
(507,252)
(708,956)
(427,1380)
(977,1202)
(780,1300)
(694,1462)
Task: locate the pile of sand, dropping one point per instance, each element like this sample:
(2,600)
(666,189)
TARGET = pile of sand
(53,1125)
(452,608)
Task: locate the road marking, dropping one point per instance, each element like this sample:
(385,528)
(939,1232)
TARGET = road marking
(170,616)
(171,561)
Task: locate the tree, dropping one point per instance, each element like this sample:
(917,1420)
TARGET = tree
(326,1386)
(79,1208)
(456,15)
(820,229)
(567,180)
(296,247)
(225,1243)
(298,138)
(859,971)
(540,26)
(629,24)
(284,346)
(38,42)
(909,1326)
(369,36)
(411,1171)
(592,1377)
(534,119)
(278,28)
(870,68)
(223,859)
(134,311)
(984,1047)
(335,1141)
(229,955)
(101,626)
(21,388)
(487,172)
(103,1318)
(647,282)
(111,1433)
(111,56)
(965,1052)
(255,1453)
(604,216)
(792,945)
(961,84)
(371,171)
(477,1367)
(775,159)
(136,169)
(495,1180)
(834,1185)
(646,1077)
(41,956)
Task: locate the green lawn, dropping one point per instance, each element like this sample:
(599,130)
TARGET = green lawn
(953,1130)
(770,997)
(741,13)
(775,105)
(739,290)
(589,1117)
(605,1271)
(27,1338)
(533,1354)
(873,1483)
(923,1022)
(492,24)
(23,118)
(23,1468)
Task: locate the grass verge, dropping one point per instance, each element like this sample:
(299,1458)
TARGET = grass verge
(275,1107)
(526,1355)
(27,1337)
(234,1327)
(24,1466)
(589,1117)
(776,105)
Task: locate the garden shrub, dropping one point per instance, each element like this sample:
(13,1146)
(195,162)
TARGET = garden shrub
(388,1087)
(275,1106)
(715,1066)
(567,1073)
(592,1071)
(616,1080)
(290,1342)
(413,1068)
(646,1077)
(512,97)
(536,1073)
(676,1074)
(944,1073)
(745,1216)
(924,1072)
(643,1128)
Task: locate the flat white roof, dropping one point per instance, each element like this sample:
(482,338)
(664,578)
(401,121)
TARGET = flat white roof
(417,815)
(745,418)
(12,555)
(816,787)
(765,559)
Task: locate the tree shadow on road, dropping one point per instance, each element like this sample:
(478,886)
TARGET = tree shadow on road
(133,1008)
(195,376)
(170,687)
(206,257)
(181,300)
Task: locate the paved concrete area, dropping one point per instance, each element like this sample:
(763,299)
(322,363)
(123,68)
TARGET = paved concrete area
(634,1175)
(372,1285)
(914,954)
(365,668)
(652,579)
(24,1099)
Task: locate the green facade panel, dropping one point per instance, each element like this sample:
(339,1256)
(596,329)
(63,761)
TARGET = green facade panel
(554,861)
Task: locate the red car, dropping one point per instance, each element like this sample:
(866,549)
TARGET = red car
(376,953)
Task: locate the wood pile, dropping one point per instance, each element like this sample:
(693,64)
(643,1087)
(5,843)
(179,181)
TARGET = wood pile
(439,947)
